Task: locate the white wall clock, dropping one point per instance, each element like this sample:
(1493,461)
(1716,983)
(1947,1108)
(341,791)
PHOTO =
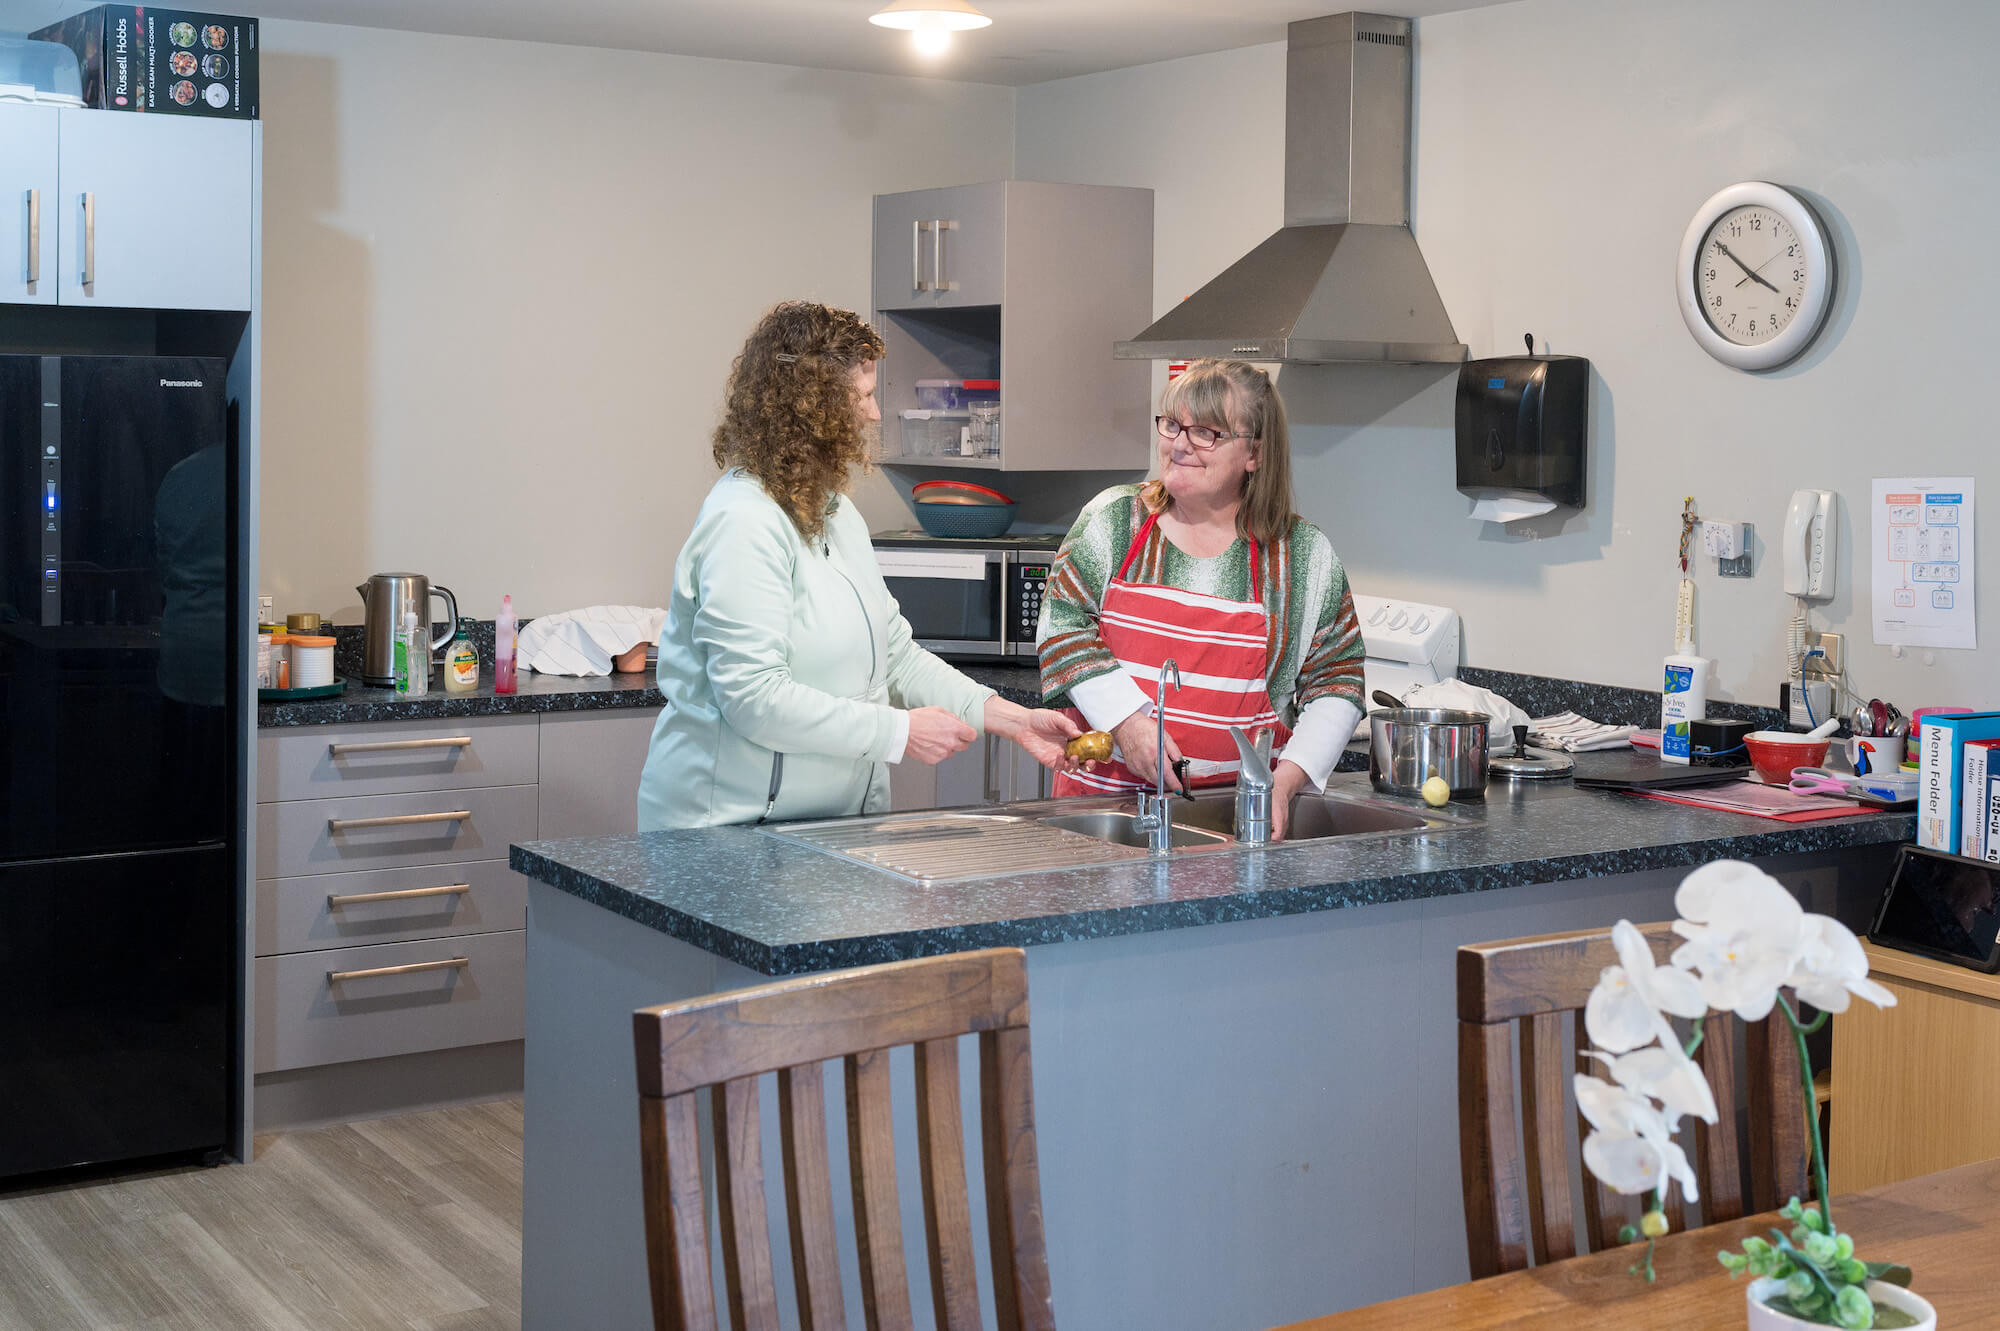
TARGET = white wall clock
(1756,276)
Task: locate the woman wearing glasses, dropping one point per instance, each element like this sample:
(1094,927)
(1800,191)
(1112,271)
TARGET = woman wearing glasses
(1208,565)
(789,673)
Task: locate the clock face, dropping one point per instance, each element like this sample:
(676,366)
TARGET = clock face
(1752,274)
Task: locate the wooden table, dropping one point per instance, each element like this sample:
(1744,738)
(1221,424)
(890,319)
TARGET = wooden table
(1946,1226)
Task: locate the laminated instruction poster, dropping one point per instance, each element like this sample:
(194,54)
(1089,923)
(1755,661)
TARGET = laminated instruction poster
(1921,553)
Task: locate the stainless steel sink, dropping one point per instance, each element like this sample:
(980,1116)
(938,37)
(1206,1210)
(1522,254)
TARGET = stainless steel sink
(1121,828)
(1316,817)
(952,846)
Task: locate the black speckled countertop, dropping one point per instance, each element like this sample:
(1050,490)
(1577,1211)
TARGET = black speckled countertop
(782,908)
(545,693)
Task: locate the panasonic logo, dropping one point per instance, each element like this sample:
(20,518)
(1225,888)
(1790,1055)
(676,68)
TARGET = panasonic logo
(180,383)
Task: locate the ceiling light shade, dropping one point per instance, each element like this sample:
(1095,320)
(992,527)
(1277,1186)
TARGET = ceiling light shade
(937,15)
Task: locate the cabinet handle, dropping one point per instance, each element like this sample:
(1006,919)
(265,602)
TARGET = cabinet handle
(917,230)
(400,820)
(407,894)
(34,236)
(448,964)
(452,742)
(89,201)
(937,257)
(989,783)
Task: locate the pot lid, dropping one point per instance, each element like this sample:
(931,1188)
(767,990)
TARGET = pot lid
(1526,764)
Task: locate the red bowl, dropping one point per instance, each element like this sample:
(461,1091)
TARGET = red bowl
(1774,755)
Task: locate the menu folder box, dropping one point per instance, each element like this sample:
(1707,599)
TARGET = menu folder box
(169,61)
(1941,745)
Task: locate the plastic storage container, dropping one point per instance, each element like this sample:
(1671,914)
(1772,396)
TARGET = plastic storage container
(43,72)
(935,434)
(954,394)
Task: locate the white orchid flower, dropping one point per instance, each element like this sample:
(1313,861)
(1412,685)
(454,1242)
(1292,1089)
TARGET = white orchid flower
(1623,1011)
(1831,965)
(1666,1074)
(1744,932)
(1630,1149)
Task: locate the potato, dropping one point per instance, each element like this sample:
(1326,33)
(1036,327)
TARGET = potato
(1093,746)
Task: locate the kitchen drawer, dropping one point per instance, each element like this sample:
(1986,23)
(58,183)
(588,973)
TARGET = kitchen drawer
(299,836)
(306,1018)
(298,915)
(310,762)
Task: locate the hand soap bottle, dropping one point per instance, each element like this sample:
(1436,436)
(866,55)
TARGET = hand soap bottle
(461,662)
(1683,700)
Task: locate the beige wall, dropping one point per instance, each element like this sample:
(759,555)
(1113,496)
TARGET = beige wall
(503,283)
(1562,146)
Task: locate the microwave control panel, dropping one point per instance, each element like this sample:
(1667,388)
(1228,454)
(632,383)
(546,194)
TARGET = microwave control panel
(1025,581)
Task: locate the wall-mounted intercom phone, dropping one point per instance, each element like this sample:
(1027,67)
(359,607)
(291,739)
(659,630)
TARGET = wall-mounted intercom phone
(1809,540)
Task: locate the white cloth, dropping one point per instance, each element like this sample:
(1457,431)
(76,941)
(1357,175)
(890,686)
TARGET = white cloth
(1460,696)
(1578,734)
(582,642)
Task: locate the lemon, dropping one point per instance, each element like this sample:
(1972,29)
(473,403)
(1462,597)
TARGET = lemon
(1436,792)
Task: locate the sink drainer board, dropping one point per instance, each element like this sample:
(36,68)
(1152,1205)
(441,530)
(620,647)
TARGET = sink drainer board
(955,847)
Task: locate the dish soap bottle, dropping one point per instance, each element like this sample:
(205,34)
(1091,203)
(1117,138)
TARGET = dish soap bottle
(413,657)
(461,662)
(504,630)
(400,651)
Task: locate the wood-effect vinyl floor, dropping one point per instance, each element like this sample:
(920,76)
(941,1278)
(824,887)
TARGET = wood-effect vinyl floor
(410,1223)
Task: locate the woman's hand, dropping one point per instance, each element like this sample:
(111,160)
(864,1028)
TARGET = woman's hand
(1041,731)
(1138,736)
(1288,781)
(936,734)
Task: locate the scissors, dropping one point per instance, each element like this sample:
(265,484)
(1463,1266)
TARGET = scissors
(1819,781)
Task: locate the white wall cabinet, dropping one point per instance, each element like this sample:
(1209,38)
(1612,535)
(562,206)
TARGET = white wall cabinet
(135,211)
(27,221)
(1029,283)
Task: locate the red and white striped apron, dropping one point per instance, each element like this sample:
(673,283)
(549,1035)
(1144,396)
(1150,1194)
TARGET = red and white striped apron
(1223,650)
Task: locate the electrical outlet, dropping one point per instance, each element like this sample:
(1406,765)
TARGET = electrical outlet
(1830,662)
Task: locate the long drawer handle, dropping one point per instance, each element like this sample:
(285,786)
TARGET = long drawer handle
(400,820)
(448,964)
(89,202)
(453,742)
(34,235)
(407,894)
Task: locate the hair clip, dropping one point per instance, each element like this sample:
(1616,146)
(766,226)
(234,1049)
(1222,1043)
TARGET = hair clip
(786,357)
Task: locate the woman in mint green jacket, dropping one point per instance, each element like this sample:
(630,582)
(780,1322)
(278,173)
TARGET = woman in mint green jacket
(790,675)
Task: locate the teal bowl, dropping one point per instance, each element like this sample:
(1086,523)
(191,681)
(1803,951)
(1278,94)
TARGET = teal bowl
(965,521)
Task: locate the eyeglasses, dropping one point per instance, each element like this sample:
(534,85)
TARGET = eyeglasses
(1201,438)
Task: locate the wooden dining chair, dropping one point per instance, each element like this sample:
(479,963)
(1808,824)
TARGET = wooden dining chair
(1517,1168)
(727,1041)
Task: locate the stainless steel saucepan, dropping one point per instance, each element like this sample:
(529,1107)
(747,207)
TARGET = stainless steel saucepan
(1407,746)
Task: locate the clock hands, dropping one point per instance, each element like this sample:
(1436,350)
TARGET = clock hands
(1760,268)
(1749,273)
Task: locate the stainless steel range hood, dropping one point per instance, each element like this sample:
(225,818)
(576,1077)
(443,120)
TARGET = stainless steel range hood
(1343,281)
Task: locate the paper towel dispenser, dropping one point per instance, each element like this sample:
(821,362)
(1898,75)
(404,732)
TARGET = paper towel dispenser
(1521,423)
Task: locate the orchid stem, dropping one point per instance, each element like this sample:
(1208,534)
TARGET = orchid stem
(1799,1032)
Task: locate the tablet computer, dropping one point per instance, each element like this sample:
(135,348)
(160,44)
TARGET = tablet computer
(1943,906)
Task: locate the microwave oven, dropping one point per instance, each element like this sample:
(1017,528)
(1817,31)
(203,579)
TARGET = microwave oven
(975,599)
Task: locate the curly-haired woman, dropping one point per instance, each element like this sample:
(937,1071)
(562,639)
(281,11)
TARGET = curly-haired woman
(790,675)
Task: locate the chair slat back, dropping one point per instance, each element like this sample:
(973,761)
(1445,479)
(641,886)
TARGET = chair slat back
(1518,1173)
(724,1043)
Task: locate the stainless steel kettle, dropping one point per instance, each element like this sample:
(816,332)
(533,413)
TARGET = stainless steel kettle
(385,598)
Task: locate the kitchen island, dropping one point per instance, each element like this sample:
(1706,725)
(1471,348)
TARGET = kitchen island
(1245,1068)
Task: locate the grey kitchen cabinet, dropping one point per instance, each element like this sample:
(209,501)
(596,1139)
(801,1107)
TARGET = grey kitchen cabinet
(156,212)
(119,209)
(27,221)
(990,771)
(590,769)
(1040,279)
(940,248)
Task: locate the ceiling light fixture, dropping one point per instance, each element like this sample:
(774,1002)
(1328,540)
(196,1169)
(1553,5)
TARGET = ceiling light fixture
(930,23)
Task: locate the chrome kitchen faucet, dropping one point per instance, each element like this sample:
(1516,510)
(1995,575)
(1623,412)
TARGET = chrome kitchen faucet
(1153,815)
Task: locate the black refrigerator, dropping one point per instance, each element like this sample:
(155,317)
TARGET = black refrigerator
(119,707)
